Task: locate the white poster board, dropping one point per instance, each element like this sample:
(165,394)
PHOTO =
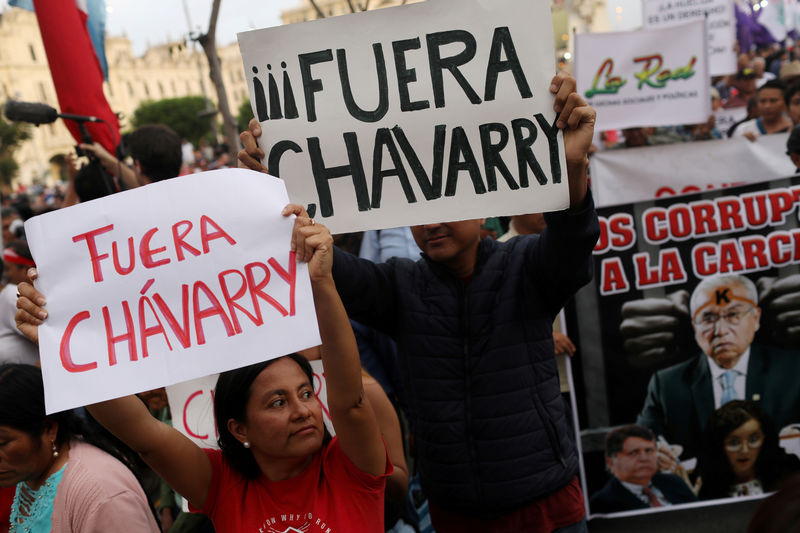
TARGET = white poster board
(192,406)
(721,27)
(422,113)
(636,174)
(645,78)
(164,283)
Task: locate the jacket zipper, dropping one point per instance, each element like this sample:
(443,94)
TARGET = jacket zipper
(468,388)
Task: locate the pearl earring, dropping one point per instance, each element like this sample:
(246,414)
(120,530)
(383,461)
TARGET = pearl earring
(55,450)
(246,444)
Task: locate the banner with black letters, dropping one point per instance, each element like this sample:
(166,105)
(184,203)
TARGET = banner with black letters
(414,114)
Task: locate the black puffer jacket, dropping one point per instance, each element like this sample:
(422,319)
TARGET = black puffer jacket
(490,427)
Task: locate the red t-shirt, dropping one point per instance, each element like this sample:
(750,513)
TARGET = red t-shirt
(331,496)
(6,500)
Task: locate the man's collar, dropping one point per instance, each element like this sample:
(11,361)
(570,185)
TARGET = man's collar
(740,367)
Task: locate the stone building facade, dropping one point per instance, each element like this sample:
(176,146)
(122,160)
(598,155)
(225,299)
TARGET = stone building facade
(165,71)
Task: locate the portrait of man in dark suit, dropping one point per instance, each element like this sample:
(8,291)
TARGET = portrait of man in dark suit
(725,317)
(636,483)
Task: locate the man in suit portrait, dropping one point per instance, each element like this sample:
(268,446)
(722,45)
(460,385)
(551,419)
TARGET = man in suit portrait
(636,483)
(725,316)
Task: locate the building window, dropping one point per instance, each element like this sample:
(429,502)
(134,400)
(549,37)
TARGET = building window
(42,92)
(146,88)
(32,51)
(161,89)
(174,89)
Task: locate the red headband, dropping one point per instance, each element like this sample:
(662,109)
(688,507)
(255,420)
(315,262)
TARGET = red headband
(10,256)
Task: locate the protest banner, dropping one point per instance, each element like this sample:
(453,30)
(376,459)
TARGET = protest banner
(721,26)
(636,174)
(192,406)
(651,342)
(165,283)
(724,119)
(441,111)
(645,78)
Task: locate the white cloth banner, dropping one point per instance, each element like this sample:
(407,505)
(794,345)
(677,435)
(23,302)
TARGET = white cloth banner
(645,78)
(724,119)
(721,26)
(176,280)
(192,406)
(631,175)
(441,111)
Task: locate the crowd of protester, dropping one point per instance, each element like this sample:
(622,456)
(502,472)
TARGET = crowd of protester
(409,423)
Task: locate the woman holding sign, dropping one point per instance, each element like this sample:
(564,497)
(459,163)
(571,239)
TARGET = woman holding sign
(277,469)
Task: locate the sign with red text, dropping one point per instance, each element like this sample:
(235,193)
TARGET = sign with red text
(721,24)
(441,111)
(192,406)
(157,285)
(638,174)
(645,78)
(654,337)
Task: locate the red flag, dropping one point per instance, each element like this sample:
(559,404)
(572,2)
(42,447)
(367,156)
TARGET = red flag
(75,69)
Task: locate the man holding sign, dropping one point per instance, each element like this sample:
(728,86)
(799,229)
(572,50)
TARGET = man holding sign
(473,323)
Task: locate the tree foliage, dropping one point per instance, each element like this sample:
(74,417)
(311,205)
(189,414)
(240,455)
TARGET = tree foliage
(244,116)
(12,134)
(180,114)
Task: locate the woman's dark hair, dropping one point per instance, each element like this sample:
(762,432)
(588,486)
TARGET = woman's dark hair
(231,395)
(22,408)
(772,465)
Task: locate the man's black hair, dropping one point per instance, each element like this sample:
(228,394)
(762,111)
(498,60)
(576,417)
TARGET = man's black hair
(92,182)
(773,84)
(616,439)
(790,91)
(157,148)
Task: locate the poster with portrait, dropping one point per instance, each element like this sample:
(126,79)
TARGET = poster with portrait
(688,385)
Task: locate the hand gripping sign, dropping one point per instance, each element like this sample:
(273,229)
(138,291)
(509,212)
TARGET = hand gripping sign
(414,114)
(172,281)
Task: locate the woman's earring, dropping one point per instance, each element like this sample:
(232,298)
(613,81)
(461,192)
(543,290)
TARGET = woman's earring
(246,444)
(55,450)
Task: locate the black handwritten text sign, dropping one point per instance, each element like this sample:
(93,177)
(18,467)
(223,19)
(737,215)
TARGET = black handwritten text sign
(721,24)
(165,283)
(423,113)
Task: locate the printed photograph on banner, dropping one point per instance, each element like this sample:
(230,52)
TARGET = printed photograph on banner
(442,111)
(638,174)
(697,305)
(653,77)
(721,25)
(159,285)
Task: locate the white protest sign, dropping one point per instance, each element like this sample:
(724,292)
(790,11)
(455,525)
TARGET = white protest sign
(415,114)
(192,406)
(645,78)
(157,285)
(721,25)
(724,119)
(638,174)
